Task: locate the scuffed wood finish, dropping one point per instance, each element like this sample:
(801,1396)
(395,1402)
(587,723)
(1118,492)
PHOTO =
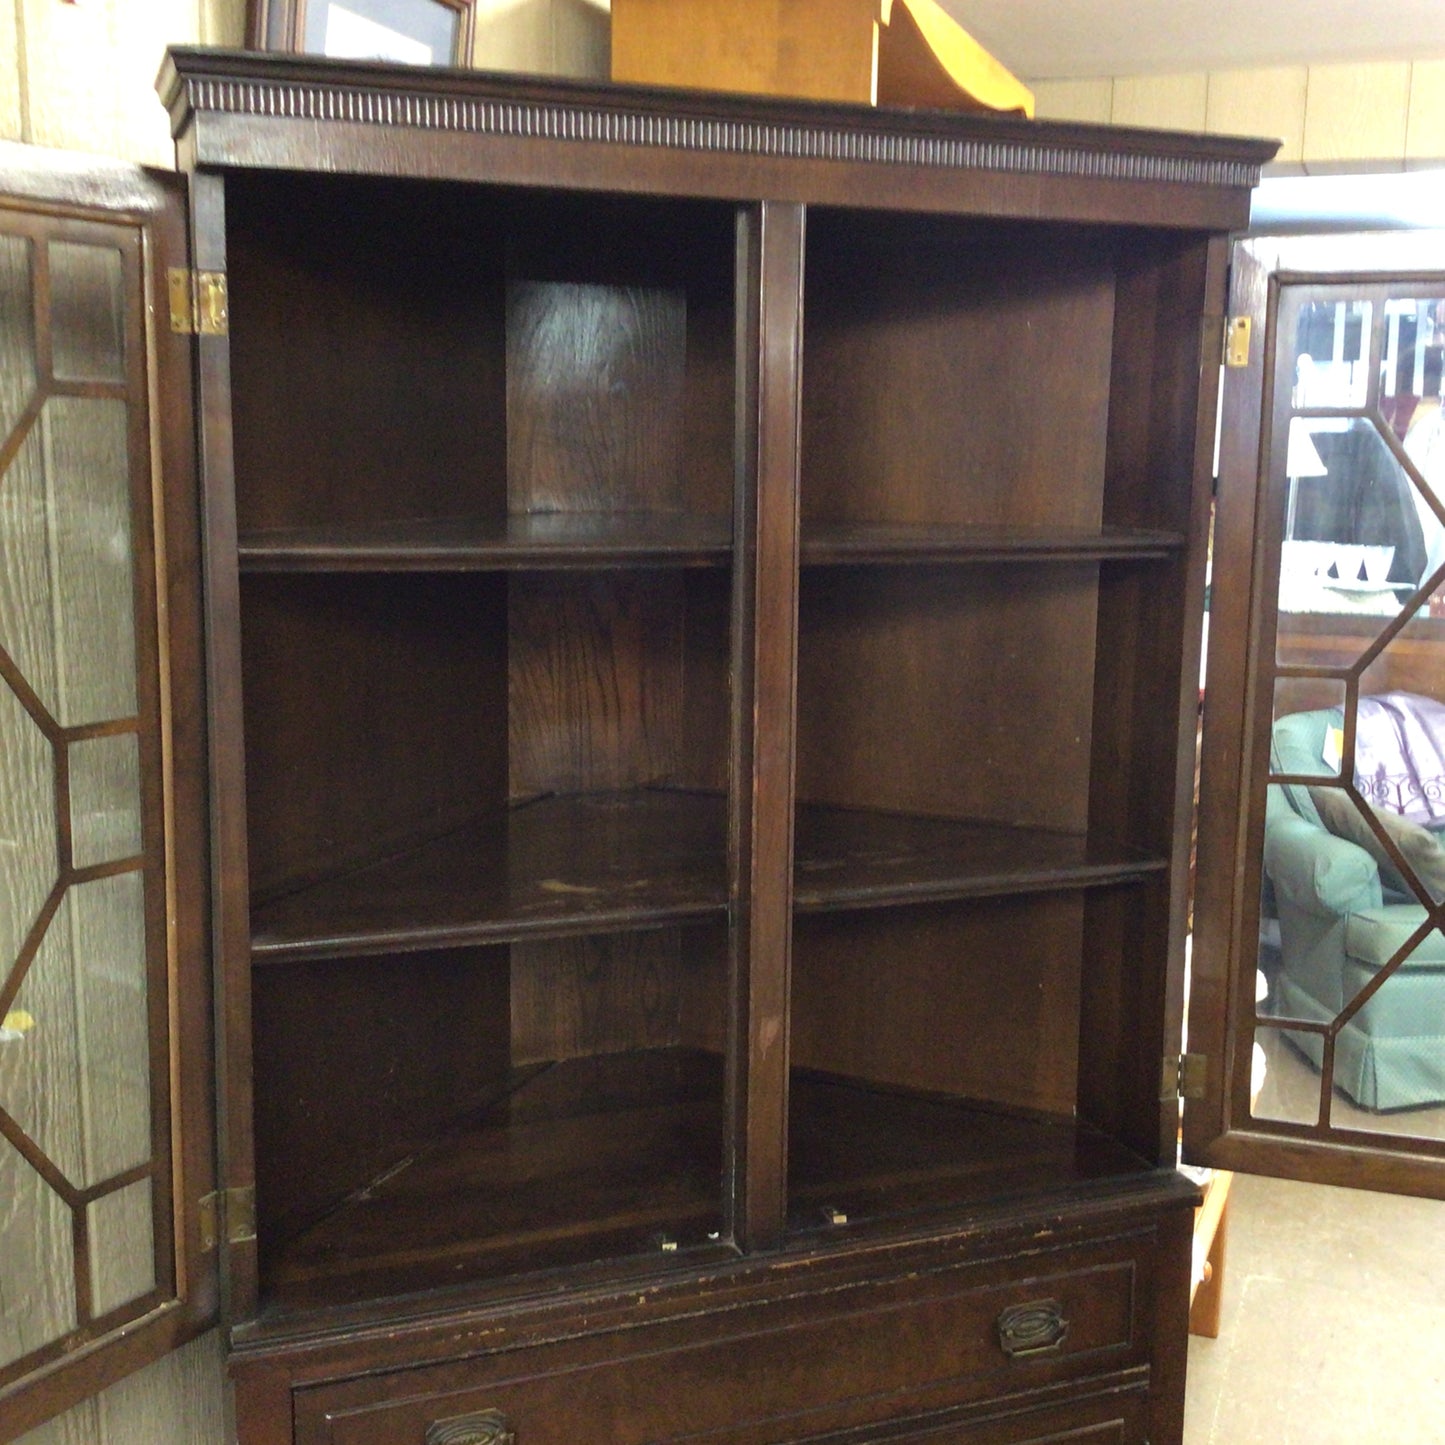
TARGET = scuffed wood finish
(711,601)
(108,1118)
(554,866)
(991,669)
(912,160)
(595,683)
(560,541)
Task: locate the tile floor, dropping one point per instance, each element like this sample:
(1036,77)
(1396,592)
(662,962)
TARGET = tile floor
(1333,1328)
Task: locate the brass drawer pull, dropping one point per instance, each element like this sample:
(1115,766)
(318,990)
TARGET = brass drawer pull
(486,1427)
(1032,1329)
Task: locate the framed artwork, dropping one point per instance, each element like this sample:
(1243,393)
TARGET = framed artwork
(415,32)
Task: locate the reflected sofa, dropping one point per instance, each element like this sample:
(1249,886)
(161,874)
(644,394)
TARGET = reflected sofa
(1339,924)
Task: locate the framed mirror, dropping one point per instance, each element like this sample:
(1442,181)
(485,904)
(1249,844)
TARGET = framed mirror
(414,32)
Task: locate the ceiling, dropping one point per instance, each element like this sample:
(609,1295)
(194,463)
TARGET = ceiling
(1063,39)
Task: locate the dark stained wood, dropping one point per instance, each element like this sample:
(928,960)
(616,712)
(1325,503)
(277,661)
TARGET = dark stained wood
(341,1103)
(373,715)
(140,218)
(903,543)
(932,392)
(477,126)
(1159,473)
(630,859)
(556,540)
(895,999)
(762,748)
(594,396)
(717,583)
(226,744)
(594,682)
(604,1156)
(1251,643)
(824,1357)
(601,1155)
(588,864)
(368,353)
(852,858)
(875,1152)
(575,997)
(987,668)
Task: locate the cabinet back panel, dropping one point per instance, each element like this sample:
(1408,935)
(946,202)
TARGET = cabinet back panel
(353,1074)
(575,997)
(367,351)
(594,397)
(620,357)
(1155,395)
(597,680)
(978,1000)
(955,373)
(374,710)
(957,692)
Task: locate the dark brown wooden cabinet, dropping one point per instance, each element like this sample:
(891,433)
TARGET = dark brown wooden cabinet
(702,603)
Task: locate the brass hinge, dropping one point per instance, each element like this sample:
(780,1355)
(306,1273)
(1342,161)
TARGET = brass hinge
(1183,1076)
(1236,340)
(199,303)
(230,1213)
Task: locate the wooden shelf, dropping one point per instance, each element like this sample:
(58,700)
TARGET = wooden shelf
(548,540)
(606,862)
(596,863)
(868,1151)
(607,1157)
(848,858)
(586,1159)
(838,543)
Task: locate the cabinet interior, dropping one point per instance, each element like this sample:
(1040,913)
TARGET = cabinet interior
(486,459)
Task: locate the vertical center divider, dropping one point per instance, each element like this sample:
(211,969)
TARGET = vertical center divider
(764,708)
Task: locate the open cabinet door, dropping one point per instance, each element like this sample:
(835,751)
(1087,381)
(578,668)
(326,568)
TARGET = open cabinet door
(1317,1013)
(106,1129)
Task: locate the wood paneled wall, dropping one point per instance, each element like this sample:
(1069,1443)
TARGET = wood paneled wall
(1374,116)
(179,1400)
(80,74)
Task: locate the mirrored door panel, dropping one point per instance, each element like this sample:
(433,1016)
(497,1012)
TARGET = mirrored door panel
(1337,1022)
(90,927)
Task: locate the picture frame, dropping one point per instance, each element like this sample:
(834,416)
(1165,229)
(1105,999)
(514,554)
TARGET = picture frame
(417,32)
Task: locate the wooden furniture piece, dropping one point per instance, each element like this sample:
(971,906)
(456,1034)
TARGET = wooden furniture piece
(701,603)
(875,52)
(1211,1234)
(1337,366)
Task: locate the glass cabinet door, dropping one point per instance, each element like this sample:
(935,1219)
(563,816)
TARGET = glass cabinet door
(90,922)
(1329,635)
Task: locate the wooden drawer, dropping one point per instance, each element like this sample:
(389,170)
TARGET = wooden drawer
(821,1361)
(1114,1417)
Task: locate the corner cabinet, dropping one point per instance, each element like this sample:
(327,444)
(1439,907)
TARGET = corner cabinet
(701,601)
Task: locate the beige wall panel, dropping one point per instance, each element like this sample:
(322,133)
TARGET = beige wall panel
(1091,101)
(1355,116)
(72,74)
(180,1400)
(513,35)
(1266,102)
(582,34)
(1425,127)
(12,120)
(223,22)
(76,1427)
(91,73)
(1168,102)
(142,33)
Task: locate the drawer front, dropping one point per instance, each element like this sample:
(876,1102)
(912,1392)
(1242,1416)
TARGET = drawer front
(869,1353)
(1118,1417)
